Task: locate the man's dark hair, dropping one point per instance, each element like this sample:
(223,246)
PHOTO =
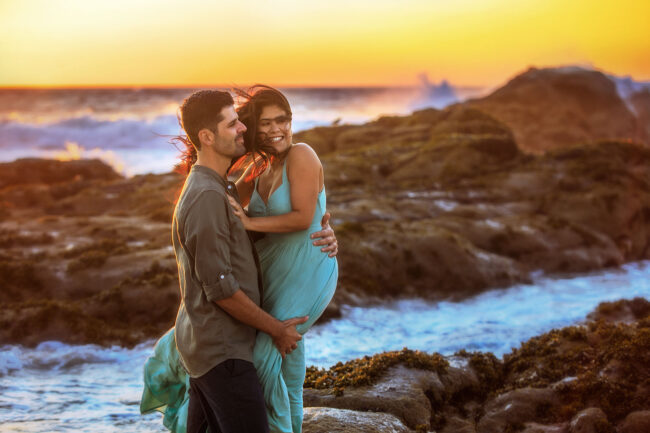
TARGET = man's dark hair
(199,111)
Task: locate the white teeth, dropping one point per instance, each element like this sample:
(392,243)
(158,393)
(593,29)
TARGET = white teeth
(276,138)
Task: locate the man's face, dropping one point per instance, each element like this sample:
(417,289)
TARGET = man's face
(229,137)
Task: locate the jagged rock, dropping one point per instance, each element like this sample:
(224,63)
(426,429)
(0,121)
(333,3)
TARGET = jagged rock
(590,420)
(330,420)
(411,257)
(640,102)
(624,310)
(401,392)
(533,427)
(437,204)
(514,408)
(636,422)
(573,380)
(456,424)
(557,107)
(46,171)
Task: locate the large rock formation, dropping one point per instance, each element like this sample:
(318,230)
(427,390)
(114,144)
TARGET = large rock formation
(37,171)
(438,204)
(85,254)
(558,107)
(589,378)
(442,203)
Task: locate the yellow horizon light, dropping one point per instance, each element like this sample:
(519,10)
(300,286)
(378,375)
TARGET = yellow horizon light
(74,43)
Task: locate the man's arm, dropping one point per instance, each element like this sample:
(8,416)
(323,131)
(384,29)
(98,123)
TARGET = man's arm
(284,334)
(326,237)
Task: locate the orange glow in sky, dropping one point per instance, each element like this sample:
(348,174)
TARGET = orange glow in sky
(334,42)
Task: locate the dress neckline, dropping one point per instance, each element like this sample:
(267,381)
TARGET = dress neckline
(284,180)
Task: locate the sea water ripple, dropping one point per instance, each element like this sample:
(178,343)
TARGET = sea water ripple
(56,387)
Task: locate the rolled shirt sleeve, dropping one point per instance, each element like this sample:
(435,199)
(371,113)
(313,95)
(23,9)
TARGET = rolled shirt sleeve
(207,234)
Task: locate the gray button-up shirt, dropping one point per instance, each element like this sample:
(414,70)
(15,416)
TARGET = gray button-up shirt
(215,258)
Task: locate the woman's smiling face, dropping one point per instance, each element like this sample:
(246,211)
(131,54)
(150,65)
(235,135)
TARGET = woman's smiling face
(274,128)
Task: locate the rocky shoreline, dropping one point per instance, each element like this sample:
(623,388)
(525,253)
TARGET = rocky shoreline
(87,258)
(439,204)
(590,378)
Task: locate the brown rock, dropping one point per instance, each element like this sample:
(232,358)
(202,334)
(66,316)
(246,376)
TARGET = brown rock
(458,425)
(437,204)
(414,258)
(533,427)
(591,420)
(401,392)
(641,106)
(554,108)
(636,422)
(46,171)
(514,408)
(330,420)
(624,310)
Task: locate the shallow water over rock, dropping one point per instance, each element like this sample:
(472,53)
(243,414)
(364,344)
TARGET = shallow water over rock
(57,387)
(495,321)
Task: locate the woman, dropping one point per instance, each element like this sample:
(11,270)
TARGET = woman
(283,187)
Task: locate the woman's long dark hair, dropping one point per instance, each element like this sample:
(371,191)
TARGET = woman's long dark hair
(188,154)
(258,153)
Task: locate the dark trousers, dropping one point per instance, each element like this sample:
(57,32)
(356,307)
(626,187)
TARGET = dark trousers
(227,399)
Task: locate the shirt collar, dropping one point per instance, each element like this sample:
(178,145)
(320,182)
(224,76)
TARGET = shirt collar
(210,172)
(228,185)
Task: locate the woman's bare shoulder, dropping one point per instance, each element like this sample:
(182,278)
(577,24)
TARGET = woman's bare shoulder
(303,161)
(304,152)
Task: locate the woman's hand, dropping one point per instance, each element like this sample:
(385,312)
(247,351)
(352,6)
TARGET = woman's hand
(239,212)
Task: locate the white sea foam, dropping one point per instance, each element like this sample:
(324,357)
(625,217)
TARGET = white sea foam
(88,388)
(495,321)
(131,128)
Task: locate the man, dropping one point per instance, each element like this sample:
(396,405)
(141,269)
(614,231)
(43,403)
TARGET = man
(219,279)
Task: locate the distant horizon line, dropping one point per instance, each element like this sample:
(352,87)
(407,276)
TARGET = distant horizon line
(136,86)
(124,86)
(213,86)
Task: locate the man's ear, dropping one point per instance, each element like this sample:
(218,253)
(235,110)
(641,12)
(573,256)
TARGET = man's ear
(206,136)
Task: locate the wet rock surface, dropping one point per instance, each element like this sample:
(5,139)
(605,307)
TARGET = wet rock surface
(401,392)
(86,259)
(589,378)
(465,210)
(636,422)
(321,419)
(440,204)
(591,420)
(537,104)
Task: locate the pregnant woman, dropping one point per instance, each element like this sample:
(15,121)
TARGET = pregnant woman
(283,186)
(284,189)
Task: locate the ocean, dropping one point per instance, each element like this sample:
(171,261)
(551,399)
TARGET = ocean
(130,128)
(57,387)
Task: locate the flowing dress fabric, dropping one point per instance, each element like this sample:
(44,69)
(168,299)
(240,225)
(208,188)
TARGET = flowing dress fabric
(166,385)
(299,280)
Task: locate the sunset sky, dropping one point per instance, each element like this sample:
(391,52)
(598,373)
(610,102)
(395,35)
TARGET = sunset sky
(308,42)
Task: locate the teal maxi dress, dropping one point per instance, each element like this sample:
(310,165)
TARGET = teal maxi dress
(299,280)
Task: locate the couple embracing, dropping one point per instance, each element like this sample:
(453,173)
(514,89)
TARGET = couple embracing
(235,361)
